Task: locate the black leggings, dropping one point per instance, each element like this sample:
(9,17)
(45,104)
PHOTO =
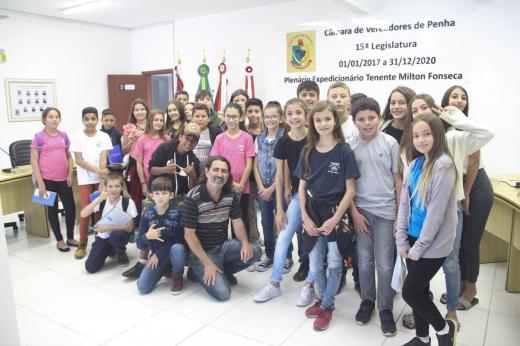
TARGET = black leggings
(480,203)
(67,199)
(416,291)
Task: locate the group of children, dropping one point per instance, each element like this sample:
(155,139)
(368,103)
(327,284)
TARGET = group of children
(349,181)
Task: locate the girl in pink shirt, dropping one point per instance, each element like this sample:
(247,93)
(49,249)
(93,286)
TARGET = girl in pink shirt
(52,167)
(147,144)
(237,147)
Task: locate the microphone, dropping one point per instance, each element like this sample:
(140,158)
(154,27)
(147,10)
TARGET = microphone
(7,170)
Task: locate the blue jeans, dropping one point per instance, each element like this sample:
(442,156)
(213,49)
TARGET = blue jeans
(327,287)
(102,248)
(294,225)
(267,210)
(227,258)
(451,267)
(149,278)
(376,252)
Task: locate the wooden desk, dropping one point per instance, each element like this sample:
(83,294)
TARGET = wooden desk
(16,191)
(501,239)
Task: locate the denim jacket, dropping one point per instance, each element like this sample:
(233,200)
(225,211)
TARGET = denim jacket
(266,161)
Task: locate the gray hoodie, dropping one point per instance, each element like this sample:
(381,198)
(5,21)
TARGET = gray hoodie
(438,232)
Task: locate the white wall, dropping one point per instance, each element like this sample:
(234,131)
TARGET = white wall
(482,45)
(153,48)
(78,56)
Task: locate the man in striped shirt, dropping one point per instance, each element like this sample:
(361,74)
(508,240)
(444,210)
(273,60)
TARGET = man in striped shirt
(207,209)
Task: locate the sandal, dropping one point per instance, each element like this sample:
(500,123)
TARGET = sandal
(456,322)
(73,242)
(409,321)
(62,249)
(465,304)
(444,298)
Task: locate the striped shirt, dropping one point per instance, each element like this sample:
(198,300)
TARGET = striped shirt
(208,218)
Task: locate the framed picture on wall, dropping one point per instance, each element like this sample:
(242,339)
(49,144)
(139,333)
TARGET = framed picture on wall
(27,98)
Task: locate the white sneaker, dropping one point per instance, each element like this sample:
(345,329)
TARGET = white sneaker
(306,295)
(268,292)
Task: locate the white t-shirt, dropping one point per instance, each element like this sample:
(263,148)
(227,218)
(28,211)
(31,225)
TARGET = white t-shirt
(349,129)
(90,149)
(131,210)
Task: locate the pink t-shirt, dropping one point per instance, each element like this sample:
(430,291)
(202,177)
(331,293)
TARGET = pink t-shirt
(236,151)
(52,160)
(138,134)
(145,147)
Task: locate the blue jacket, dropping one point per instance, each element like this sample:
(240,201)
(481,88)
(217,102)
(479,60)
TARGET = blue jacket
(173,232)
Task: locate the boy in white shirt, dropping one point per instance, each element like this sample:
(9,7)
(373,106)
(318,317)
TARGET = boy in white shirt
(110,239)
(90,148)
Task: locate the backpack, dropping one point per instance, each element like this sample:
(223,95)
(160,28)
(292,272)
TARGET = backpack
(39,140)
(125,203)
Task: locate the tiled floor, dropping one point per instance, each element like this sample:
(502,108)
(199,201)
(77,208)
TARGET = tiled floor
(58,303)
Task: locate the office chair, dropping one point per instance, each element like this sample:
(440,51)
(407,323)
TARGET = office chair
(20,154)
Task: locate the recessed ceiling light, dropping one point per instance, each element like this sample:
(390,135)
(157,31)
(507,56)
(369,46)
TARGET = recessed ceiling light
(86,6)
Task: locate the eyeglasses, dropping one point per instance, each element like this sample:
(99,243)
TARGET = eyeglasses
(272,117)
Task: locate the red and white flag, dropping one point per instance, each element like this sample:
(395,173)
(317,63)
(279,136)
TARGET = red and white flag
(250,82)
(178,80)
(222,90)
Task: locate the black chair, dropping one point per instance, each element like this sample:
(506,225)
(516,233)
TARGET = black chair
(20,154)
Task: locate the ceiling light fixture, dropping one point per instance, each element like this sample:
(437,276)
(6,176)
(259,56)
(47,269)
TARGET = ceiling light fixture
(86,6)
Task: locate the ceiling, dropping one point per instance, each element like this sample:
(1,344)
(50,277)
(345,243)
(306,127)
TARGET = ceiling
(131,14)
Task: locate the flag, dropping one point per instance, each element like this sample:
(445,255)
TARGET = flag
(222,90)
(203,71)
(178,79)
(250,82)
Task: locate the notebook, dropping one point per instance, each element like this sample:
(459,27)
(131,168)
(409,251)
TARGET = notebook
(47,200)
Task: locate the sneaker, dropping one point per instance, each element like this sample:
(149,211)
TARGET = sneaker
(264,265)
(417,342)
(365,312)
(81,251)
(177,286)
(323,319)
(123,260)
(306,295)
(448,339)
(287,265)
(135,271)
(387,323)
(314,309)
(301,274)
(268,292)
